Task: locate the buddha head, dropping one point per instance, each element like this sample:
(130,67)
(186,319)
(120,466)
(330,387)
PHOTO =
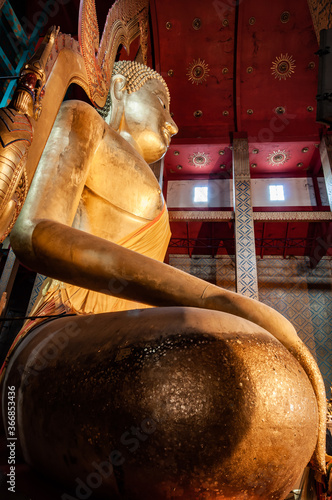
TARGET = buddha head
(138,108)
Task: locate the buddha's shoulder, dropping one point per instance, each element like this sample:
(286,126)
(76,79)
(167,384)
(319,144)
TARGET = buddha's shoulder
(79,115)
(79,107)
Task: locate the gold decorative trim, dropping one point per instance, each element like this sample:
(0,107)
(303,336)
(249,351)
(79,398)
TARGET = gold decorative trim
(199,160)
(126,20)
(197,23)
(292,216)
(228,216)
(278,157)
(198,71)
(283,67)
(284,17)
(200,215)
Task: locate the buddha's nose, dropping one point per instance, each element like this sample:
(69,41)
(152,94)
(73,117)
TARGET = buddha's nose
(171,127)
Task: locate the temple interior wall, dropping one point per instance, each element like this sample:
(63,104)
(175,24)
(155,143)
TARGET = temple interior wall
(301,294)
(298,193)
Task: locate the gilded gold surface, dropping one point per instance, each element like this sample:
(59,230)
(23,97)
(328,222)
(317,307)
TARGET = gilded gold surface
(59,61)
(101,172)
(28,96)
(93,186)
(224,410)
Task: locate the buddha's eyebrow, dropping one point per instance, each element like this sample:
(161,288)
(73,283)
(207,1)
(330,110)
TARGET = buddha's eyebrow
(159,93)
(162,95)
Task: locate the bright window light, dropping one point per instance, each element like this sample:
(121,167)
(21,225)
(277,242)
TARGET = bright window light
(277,193)
(200,194)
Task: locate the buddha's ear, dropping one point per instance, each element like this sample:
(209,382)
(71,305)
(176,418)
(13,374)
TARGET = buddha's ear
(118,86)
(118,89)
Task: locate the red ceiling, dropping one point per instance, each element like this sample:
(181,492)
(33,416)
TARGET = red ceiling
(238,48)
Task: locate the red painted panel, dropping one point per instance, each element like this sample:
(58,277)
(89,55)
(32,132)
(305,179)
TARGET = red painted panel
(270,85)
(180,46)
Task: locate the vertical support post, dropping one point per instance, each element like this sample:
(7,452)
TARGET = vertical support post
(325,150)
(245,253)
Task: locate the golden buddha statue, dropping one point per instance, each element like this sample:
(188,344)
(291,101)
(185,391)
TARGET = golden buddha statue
(206,395)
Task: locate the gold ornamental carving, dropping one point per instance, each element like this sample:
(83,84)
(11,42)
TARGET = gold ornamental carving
(283,67)
(59,61)
(292,216)
(198,71)
(199,160)
(125,21)
(321,14)
(278,157)
(199,215)
(241,166)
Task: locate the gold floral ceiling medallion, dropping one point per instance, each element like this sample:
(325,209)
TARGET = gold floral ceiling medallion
(278,157)
(199,160)
(198,71)
(283,67)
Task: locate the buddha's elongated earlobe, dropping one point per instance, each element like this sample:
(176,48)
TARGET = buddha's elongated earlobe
(118,91)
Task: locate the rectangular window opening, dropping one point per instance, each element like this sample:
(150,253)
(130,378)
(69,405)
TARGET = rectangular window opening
(200,194)
(277,192)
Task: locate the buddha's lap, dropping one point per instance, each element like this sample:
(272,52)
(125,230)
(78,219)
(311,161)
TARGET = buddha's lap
(182,398)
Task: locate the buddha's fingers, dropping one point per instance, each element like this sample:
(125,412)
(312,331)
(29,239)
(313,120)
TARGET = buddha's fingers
(282,330)
(306,360)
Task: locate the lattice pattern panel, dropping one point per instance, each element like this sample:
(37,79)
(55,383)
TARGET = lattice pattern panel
(246,269)
(301,294)
(218,271)
(39,280)
(304,296)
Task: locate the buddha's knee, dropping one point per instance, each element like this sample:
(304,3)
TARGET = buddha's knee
(188,402)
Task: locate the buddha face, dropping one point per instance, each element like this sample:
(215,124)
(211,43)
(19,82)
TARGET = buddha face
(146,121)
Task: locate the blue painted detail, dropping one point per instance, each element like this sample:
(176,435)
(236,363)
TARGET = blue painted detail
(37,286)
(10,15)
(5,63)
(22,45)
(12,84)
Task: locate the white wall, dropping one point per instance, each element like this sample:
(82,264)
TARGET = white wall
(180,194)
(298,193)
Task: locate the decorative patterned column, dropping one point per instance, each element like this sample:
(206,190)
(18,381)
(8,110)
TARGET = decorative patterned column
(246,267)
(39,280)
(326,157)
(8,277)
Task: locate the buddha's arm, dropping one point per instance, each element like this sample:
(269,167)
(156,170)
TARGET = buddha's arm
(94,263)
